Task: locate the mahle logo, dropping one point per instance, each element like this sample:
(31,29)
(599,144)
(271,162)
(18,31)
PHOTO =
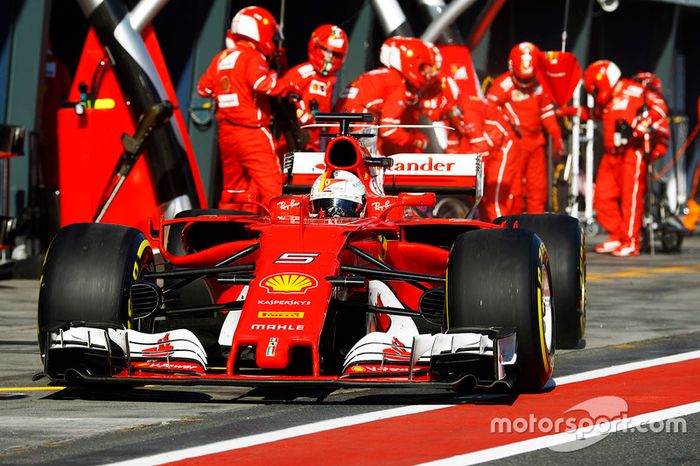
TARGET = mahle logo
(289,283)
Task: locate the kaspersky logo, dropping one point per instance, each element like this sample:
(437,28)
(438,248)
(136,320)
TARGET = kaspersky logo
(289,283)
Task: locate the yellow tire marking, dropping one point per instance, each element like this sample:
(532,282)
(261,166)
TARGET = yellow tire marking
(142,247)
(540,323)
(135,274)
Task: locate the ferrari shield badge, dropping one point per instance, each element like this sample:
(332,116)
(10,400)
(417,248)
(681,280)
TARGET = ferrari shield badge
(272,347)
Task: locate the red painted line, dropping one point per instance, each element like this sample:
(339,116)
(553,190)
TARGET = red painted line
(467,428)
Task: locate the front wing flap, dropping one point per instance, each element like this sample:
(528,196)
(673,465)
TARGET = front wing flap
(481,354)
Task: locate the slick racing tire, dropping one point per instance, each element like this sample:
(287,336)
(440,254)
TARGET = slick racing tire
(564,238)
(87,275)
(501,278)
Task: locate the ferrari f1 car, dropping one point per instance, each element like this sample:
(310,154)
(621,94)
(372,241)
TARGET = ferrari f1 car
(286,297)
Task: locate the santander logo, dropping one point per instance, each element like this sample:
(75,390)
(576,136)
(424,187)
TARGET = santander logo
(421,165)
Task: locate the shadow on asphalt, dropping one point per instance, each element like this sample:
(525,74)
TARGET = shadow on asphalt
(279,396)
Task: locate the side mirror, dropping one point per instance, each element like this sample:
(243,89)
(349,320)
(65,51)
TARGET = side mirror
(417,199)
(410,200)
(229,196)
(233,200)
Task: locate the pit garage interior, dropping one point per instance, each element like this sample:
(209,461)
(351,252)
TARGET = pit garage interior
(639,35)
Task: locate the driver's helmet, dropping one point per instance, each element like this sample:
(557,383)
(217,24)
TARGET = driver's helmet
(341,194)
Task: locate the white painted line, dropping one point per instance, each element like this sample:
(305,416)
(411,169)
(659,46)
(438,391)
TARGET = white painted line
(613,370)
(539,443)
(267,437)
(330,424)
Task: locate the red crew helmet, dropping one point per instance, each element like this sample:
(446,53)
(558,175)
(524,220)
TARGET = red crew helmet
(650,81)
(417,61)
(328,46)
(600,79)
(522,63)
(257,25)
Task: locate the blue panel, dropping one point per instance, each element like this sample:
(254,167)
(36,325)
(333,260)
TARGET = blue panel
(5,25)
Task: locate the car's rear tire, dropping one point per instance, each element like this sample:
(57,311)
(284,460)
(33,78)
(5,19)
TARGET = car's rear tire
(564,238)
(87,275)
(500,278)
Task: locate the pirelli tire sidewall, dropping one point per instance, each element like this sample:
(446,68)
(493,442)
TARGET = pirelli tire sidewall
(495,279)
(565,241)
(87,275)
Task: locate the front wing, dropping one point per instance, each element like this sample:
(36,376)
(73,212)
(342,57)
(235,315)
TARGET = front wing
(99,353)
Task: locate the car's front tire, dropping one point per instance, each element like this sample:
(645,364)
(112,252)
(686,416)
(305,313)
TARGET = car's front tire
(87,275)
(500,278)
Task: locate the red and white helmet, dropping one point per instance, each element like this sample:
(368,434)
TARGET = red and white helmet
(328,46)
(600,79)
(341,194)
(522,63)
(257,25)
(650,81)
(417,61)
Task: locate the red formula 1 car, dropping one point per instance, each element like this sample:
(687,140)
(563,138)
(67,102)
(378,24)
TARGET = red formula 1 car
(286,296)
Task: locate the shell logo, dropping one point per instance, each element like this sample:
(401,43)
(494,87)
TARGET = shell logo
(289,283)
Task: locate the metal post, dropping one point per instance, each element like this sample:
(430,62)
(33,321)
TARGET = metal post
(589,166)
(392,18)
(451,13)
(144,12)
(573,165)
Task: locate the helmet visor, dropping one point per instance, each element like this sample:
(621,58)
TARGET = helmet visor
(329,207)
(331,60)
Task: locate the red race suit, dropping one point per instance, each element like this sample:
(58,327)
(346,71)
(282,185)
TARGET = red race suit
(241,82)
(310,93)
(383,93)
(480,128)
(635,129)
(529,110)
(487,131)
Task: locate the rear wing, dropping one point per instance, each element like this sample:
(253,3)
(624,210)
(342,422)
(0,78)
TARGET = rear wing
(438,173)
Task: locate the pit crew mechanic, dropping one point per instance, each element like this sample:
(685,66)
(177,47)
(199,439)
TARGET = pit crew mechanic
(393,92)
(635,132)
(311,83)
(524,103)
(481,128)
(241,81)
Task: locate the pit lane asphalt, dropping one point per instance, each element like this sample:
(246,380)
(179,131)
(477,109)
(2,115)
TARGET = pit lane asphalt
(638,308)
